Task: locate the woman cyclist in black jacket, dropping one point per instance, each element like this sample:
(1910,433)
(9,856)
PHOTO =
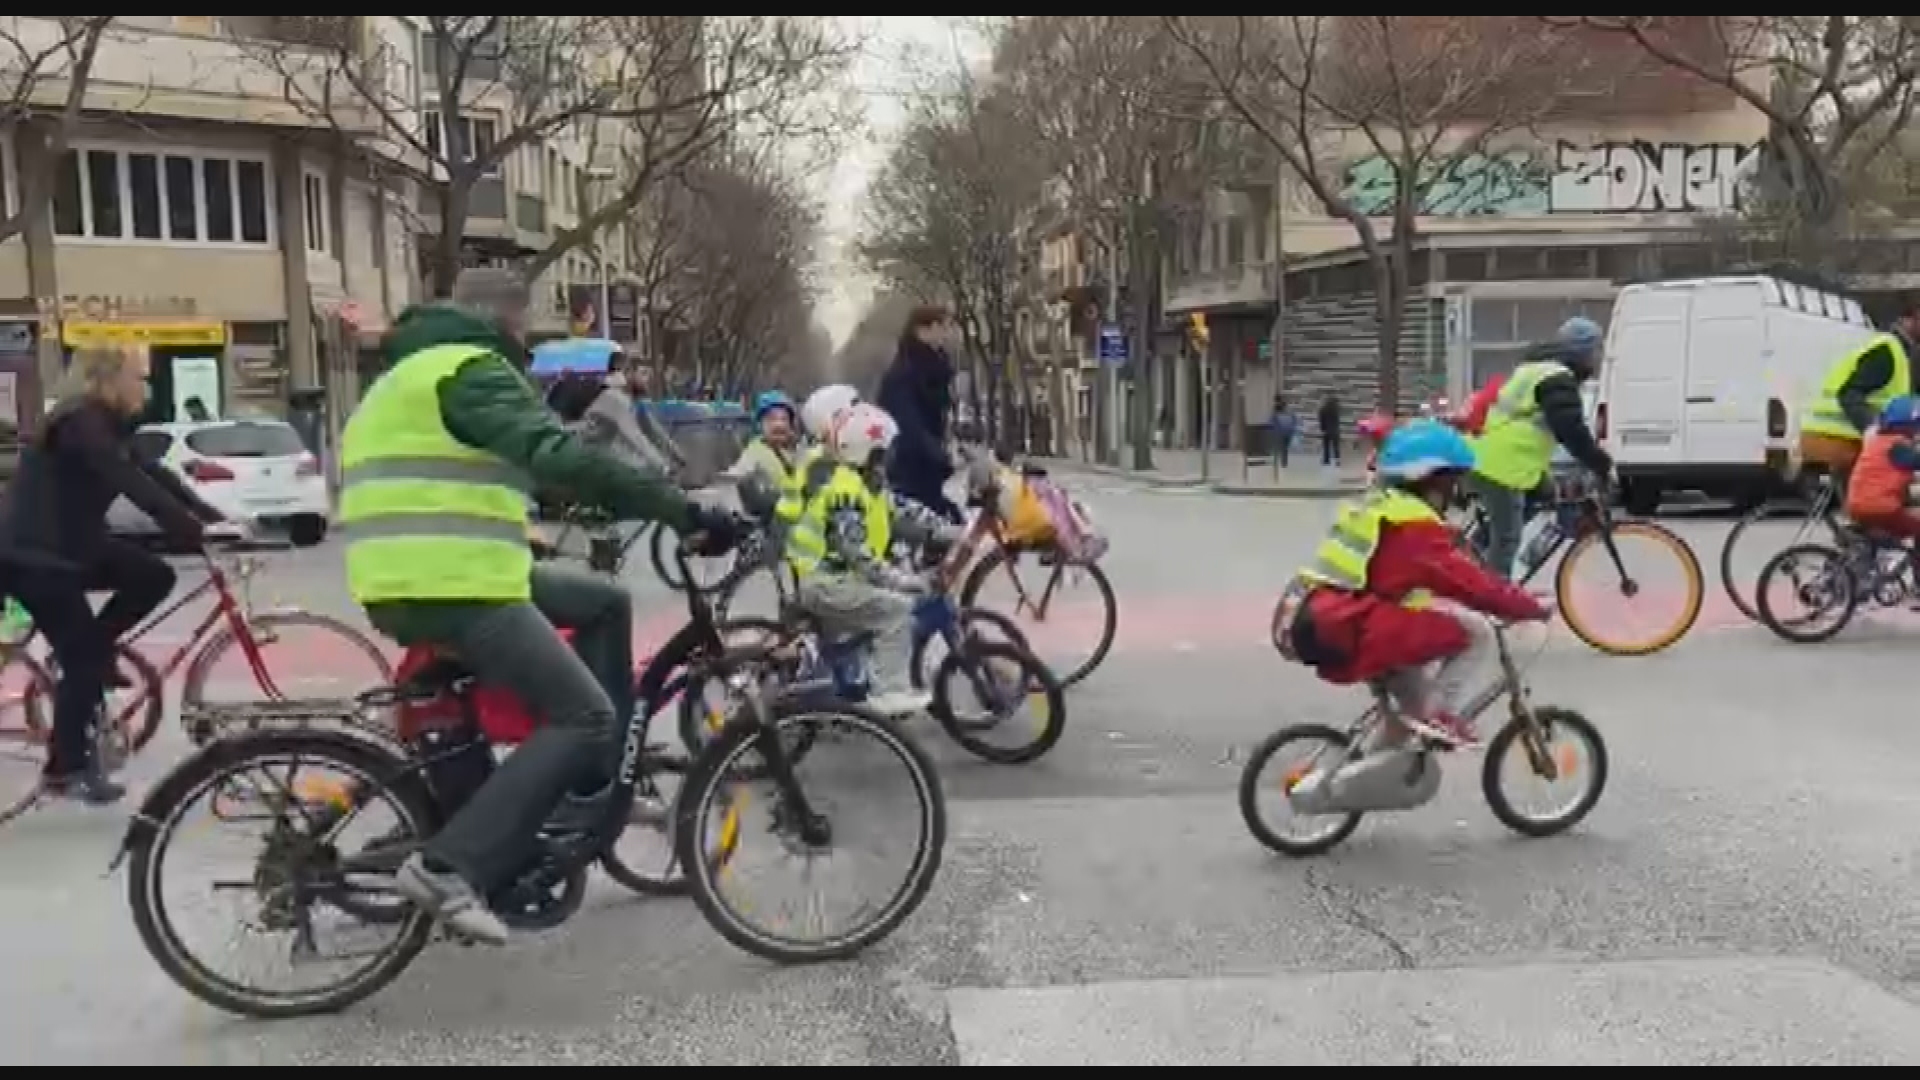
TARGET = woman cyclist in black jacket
(55,548)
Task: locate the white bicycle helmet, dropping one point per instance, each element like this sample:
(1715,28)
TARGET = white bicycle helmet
(859,433)
(823,405)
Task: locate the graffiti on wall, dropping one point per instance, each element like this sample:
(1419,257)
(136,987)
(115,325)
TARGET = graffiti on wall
(1640,177)
(1476,185)
(1605,178)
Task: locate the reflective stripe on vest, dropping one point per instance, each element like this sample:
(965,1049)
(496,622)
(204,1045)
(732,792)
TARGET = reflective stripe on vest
(1343,557)
(1824,416)
(1515,448)
(807,535)
(428,517)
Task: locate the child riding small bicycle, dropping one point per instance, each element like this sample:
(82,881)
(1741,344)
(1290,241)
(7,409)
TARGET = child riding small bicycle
(1879,491)
(1364,608)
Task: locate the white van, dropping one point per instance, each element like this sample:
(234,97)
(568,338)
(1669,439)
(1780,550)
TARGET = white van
(1704,380)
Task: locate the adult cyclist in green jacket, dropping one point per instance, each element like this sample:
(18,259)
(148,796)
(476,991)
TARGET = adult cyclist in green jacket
(438,463)
(1539,407)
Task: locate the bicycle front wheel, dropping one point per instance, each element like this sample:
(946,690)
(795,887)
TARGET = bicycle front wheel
(730,781)
(1634,571)
(26,695)
(1760,534)
(304,656)
(1072,636)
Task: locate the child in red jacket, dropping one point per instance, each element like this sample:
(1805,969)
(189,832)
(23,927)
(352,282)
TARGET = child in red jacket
(1367,611)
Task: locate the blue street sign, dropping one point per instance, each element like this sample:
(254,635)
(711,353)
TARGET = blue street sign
(1113,344)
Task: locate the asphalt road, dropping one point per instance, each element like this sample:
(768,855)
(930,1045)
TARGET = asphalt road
(1743,895)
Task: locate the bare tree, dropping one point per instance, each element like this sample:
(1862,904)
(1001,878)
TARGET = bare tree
(729,271)
(46,65)
(1109,99)
(647,94)
(946,220)
(1838,91)
(1425,94)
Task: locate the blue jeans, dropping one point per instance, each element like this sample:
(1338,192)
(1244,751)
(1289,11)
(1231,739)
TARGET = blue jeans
(1506,519)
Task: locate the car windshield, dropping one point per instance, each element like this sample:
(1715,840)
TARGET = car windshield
(246,440)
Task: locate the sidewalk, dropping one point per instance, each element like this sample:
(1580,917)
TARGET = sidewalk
(1225,474)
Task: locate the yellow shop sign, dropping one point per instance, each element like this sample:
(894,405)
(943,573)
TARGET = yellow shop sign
(80,334)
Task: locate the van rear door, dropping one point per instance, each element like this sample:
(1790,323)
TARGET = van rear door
(1726,375)
(1646,375)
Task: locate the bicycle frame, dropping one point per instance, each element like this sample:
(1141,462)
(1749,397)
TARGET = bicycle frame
(658,683)
(1509,683)
(227,608)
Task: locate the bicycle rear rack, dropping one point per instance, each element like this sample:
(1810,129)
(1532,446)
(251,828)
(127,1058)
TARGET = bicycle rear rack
(205,723)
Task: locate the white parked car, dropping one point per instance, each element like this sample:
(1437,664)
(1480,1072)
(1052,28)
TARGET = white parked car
(247,469)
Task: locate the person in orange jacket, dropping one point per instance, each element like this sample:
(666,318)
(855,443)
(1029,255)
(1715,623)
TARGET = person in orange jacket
(1368,608)
(1877,492)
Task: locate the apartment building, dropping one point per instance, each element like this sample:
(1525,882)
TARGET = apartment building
(261,246)
(1547,222)
(200,209)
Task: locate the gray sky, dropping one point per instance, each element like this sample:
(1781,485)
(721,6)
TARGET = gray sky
(904,52)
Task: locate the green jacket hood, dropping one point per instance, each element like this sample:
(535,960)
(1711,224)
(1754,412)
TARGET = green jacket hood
(426,325)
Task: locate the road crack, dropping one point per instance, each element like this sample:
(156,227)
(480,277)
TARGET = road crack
(1344,909)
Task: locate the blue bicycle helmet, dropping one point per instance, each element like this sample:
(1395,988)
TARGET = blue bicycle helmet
(1579,341)
(1901,414)
(1420,448)
(770,400)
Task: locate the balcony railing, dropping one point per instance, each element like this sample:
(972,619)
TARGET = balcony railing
(1241,285)
(318,31)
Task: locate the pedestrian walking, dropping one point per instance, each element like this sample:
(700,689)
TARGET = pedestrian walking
(1330,430)
(1286,426)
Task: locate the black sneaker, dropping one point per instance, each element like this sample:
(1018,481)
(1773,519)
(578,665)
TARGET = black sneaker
(89,786)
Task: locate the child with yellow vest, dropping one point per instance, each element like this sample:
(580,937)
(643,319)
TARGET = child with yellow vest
(841,523)
(1364,608)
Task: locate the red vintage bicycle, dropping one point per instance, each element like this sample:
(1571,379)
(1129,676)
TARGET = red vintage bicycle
(132,715)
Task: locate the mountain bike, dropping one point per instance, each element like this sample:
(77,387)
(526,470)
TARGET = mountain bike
(1378,765)
(1582,523)
(305,875)
(1820,523)
(133,713)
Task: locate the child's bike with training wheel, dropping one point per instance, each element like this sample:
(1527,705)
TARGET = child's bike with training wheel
(1327,779)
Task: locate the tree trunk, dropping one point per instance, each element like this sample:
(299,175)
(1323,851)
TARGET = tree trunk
(445,269)
(1144,285)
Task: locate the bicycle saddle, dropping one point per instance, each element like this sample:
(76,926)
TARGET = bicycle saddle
(442,674)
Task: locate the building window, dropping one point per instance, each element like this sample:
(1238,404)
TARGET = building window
(108,194)
(477,136)
(315,204)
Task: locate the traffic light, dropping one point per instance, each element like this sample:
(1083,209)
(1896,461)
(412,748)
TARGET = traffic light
(1197,329)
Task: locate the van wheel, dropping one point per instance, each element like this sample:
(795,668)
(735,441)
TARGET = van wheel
(1642,499)
(307,530)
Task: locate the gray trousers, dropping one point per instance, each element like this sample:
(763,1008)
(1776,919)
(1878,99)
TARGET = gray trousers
(578,693)
(1506,520)
(847,606)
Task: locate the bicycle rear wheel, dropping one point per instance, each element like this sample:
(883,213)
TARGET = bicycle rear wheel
(1071,663)
(306,656)
(1761,533)
(296,880)
(1591,612)
(717,795)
